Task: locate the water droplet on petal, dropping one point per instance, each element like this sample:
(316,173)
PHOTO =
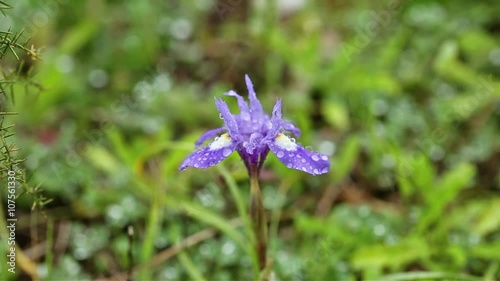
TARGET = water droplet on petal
(280,154)
(289,165)
(220,116)
(196,165)
(303,160)
(315,157)
(324,157)
(304,169)
(316,171)
(324,170)
(245,116)
(226,152)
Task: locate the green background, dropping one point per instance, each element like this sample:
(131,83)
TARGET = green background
(404,96)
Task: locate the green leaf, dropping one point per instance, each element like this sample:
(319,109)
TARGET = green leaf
(444,191)
(190,267)
(380,256)
(336,114)
(101,159)
(78,36)
(211,218)
(427,276)
(489,221)
(345,162)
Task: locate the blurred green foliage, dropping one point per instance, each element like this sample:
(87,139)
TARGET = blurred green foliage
(403,94)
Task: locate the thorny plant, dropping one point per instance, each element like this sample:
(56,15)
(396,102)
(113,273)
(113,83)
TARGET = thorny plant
(9,161)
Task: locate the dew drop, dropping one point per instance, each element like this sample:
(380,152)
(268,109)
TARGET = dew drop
(316,171)
(303,160)
(245,116)
(196,165)
(325,170)
(304,169)
(280,154)
(324,157)
(220,116)
(228,248)
(289,165)
(315,158)
(226,152)
(379,230)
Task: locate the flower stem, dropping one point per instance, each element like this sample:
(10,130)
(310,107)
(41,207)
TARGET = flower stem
(258,217)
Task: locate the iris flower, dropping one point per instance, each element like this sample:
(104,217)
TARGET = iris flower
(253,133)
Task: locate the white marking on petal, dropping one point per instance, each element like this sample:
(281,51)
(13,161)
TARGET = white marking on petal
(284,142)
(223,141)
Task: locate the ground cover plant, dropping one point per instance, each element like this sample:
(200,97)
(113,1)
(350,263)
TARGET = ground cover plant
(102,101)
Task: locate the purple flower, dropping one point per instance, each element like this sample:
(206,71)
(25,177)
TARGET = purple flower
(252,133)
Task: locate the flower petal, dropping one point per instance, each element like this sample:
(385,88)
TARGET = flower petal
(231,124)
(210,134)
(289,126)
(297,157)
(210,155)
(275,123)
(252,143)
(244,110)
(277,110)
(255,105)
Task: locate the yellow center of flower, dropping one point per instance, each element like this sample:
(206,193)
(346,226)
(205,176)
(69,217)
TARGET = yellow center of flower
(220,142)
(286,143)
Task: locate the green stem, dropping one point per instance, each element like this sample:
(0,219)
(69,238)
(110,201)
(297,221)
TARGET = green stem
(258,217)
